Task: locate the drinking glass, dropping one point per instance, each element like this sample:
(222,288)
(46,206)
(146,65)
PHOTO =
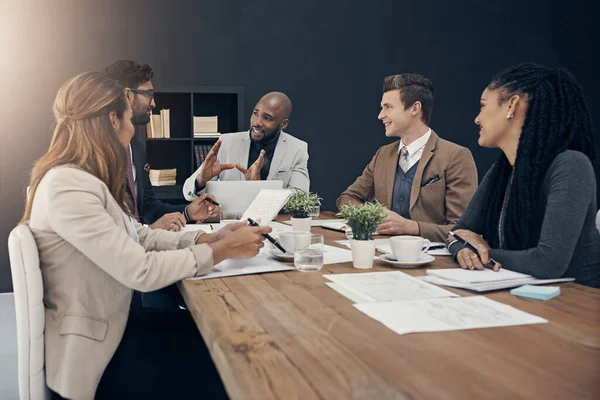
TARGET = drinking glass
(310,258)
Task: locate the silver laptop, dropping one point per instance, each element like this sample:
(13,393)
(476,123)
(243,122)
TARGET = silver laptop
(236,196)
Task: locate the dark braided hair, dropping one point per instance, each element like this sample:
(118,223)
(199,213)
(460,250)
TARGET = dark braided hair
(556,120)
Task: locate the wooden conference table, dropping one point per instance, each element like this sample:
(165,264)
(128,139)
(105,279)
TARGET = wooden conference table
(286,335)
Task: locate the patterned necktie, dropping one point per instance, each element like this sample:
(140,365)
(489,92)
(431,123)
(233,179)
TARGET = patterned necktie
(404,159)
(131,184)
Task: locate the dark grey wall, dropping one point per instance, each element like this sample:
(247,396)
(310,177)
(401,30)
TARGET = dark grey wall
(329,56)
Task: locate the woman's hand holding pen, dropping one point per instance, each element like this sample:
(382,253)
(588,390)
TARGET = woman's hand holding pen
(244,242)
(467,258)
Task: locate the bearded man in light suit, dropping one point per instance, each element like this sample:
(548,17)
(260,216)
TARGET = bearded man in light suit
(265,152)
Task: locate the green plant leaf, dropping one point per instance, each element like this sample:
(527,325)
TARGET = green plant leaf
(301,203)
(363,220)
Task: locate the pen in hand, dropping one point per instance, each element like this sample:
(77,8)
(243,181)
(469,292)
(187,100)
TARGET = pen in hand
(211,201)
(471,247)
(269,237)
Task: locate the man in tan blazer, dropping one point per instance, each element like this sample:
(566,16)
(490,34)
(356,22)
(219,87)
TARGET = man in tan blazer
(426,182)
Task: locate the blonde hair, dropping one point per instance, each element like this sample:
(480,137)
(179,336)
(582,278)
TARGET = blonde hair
(84,136)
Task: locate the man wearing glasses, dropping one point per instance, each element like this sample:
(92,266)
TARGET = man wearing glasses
(149,210)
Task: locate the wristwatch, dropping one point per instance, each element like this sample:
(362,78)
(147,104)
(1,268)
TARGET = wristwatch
(187,216)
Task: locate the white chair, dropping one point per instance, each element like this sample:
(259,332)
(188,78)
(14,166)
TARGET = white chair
(29,307)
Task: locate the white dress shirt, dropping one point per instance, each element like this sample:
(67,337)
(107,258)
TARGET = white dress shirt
(415,149)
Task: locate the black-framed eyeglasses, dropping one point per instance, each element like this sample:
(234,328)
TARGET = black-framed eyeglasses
(149,93)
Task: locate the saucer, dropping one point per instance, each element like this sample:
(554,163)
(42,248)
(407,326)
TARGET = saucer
(278,255)
(423,259)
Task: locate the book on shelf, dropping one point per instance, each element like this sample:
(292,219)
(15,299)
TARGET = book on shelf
(206,124)
(154,128)
(207,135)
(163,177)
(165,116)
(201,152)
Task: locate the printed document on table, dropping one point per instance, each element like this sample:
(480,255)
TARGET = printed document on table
(389,286)
(266,205)
(494,285)
(255,265)
(446,314)
(476,276)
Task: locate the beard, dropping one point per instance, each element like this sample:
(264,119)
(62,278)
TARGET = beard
(140,113)
(266,135)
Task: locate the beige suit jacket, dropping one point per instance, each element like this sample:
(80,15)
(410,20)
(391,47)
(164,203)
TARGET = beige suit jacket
(90,263)
(435,207)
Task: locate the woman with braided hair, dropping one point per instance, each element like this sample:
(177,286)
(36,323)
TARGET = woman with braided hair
(535,208)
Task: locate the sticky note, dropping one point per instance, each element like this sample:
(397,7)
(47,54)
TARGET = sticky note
(536,292)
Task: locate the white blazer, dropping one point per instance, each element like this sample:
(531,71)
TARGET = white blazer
(289,163)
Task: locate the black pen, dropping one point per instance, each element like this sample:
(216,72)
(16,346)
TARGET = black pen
(471,247)
(211,201)
(269,237)
(437,247)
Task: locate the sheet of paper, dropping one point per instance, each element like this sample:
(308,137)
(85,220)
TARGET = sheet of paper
(475,276)
(334,255)
(266,205)
(383,246)
(207,228)
(488,286)
(255,265)
(320,222)
(279,227)
(438,315)
(388,286)
(337,225)
(341,289)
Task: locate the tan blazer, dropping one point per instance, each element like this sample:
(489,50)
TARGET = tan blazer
(90,263)
(435,207)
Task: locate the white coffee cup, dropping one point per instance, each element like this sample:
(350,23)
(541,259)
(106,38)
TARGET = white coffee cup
(294,240)
(408,248)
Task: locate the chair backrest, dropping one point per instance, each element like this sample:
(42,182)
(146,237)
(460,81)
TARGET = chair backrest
(29,307)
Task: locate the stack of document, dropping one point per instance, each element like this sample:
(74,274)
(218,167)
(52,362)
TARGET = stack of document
(483,280)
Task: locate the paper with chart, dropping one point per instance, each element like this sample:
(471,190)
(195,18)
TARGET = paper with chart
(446,314)
(388,286)
(266,205)
(255,265)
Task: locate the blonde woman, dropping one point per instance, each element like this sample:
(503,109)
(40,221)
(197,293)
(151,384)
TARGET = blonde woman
(92,253)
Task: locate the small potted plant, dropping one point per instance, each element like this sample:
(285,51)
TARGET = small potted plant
(363,220)
(300,205)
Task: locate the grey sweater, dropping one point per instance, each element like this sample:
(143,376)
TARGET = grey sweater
(569,243)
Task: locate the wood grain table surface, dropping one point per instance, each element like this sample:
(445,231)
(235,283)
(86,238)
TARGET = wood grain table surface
(286,335)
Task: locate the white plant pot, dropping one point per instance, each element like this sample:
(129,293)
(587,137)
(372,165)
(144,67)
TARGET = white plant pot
(363,252)
(301,224)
